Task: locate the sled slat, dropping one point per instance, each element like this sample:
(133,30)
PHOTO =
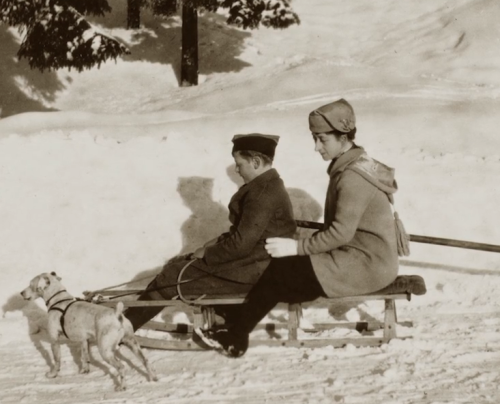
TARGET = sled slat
(309,343)
(154,343)
(230,301)
(320,343)
(360,326)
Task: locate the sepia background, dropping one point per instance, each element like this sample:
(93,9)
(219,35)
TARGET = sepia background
(108,173)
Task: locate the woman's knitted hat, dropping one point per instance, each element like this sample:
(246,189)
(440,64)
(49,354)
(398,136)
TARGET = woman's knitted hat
(265,144)
(337,115)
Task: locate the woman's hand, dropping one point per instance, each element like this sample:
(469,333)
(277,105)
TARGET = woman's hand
(278,247)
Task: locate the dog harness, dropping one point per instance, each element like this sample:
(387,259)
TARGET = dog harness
(62,311)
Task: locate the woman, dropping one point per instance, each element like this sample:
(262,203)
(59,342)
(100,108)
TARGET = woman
(234,261)
(355,253)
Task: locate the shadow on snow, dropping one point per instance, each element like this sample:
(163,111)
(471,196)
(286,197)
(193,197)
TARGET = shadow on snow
(158,41)
(17,80)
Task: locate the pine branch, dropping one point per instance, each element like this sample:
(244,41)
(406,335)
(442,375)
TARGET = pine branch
(89,7)
(23,12)
(18,12)
(252,13)
(209,5)
(163,8)
(61,37)
(167,8)
(242,13)
(279,14)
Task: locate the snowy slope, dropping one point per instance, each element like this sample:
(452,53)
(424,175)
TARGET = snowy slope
(135,170)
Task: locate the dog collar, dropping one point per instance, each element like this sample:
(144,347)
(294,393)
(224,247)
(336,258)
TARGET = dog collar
(54,295)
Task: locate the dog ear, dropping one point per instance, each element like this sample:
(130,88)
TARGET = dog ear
(53,273)
(43,283)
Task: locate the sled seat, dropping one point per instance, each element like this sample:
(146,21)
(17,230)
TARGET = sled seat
(204,315)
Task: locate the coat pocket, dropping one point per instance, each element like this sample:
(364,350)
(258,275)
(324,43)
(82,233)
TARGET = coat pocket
(355,254)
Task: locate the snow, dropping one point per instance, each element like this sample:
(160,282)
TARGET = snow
(132,170)
(88,34)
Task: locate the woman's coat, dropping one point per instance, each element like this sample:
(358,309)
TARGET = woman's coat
(356,252)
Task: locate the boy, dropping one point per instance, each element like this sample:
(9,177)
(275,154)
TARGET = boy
(234,261)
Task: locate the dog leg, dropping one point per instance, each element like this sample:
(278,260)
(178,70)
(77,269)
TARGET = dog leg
(132,344)
(56,366)
(108,353)
(85,357)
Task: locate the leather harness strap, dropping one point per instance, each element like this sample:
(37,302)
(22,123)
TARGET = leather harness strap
(54,295)
(63,312)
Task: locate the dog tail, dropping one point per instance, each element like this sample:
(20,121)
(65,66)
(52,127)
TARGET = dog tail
(119,311)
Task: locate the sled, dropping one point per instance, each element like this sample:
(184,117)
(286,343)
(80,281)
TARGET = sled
(203,310)
(175,336)
(203,315)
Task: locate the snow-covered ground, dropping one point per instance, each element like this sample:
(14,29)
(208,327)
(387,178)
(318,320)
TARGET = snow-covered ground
(133,170)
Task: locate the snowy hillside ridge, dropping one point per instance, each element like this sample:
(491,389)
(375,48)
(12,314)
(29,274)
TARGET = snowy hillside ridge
(440,45)
(128,170)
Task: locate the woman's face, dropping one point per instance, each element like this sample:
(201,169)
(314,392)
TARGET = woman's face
(328,145)
(244,168)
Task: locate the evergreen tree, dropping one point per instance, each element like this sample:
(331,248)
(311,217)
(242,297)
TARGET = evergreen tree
(242,13)
(57,34)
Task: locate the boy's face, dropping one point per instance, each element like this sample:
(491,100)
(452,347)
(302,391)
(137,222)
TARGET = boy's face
(245,168)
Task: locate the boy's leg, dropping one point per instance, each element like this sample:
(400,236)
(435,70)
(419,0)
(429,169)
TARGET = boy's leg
(196,281)
(139,316)
(163,287)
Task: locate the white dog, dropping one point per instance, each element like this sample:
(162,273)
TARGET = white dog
(83,321)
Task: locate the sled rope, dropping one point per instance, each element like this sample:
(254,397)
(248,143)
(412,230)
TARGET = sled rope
(179,282)
(128,283)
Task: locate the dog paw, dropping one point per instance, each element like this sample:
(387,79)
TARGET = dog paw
(84,371)
(51,374)
(120,388)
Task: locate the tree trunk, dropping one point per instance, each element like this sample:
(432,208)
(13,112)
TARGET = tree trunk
(189,61)
(133,14)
